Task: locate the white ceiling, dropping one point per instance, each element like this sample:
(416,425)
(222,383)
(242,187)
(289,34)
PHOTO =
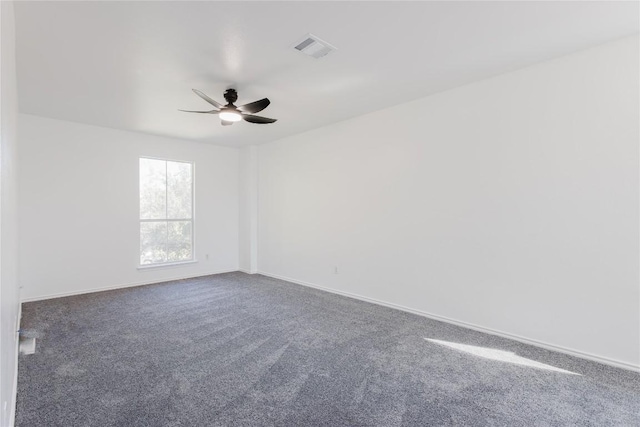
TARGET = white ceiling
(131,65)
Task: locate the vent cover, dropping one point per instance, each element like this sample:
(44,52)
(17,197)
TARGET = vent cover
(314,46)
(27,345)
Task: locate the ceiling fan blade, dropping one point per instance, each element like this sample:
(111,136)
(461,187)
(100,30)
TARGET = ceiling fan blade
(226,123)
(257,119)
(206,98)
(204,112)
(256,106)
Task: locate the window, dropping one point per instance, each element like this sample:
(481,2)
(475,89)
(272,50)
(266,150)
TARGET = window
(166,211)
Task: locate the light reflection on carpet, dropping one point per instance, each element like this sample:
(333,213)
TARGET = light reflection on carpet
(499,355)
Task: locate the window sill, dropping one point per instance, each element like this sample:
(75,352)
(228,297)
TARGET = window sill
(166,265)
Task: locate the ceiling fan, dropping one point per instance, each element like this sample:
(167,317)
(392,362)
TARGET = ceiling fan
(230,113)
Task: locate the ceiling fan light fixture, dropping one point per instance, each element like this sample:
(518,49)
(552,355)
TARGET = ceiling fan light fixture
(229,113)
(230,116)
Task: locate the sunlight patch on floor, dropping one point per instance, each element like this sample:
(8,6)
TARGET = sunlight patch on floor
(499,355)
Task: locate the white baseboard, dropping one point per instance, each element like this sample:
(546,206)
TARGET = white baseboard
(248,271)
(126,285)
(14,395)
(553,347)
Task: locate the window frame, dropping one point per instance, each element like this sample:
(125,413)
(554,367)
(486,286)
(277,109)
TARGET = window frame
(167,220)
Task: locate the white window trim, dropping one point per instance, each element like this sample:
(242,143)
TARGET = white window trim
(193,259)
(165,264)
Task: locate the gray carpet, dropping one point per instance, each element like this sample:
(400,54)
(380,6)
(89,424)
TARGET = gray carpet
(241,350)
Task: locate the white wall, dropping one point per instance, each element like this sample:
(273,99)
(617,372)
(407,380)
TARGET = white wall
(248,233)
(510,203)
(9,292)
(78,206)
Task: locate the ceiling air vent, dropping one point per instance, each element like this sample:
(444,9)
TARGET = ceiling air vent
(314,46)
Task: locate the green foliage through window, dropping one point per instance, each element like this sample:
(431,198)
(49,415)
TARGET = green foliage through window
(166,211)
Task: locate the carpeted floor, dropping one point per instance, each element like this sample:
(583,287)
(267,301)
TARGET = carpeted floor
(241,350)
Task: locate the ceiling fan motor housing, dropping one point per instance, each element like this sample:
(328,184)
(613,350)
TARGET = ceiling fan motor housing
(231,95)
